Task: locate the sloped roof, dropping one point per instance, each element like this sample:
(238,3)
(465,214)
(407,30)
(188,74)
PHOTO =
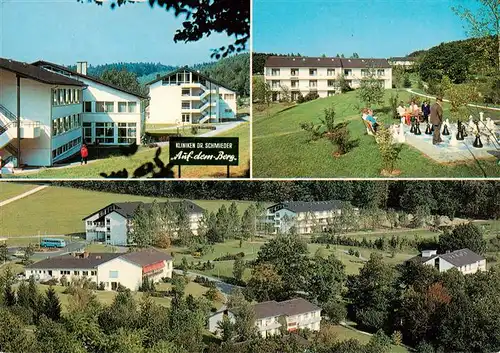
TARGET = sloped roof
(127,209)
(289,308)
(292,61)
(69,261)
(403,58)
(311,206)
(365,63)
(185,68)
(146,257)
(38,74)
(461,257)
(42,63)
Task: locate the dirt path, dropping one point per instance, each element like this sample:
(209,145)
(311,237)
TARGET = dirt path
(23,195)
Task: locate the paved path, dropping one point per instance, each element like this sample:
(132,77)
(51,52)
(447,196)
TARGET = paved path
(23,195)
(446,100)
(222,128)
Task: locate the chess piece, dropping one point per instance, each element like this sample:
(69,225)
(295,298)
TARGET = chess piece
(428,129)
(481,116)
(477,142)
(417,129)
(412,128)
(454,140)
(460,132)
(446,132)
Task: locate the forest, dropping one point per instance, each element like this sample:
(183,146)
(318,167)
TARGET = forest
(468,199)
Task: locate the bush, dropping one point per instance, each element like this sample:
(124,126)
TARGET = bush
(335,310)
(394,102)
(166,279)
(341,138)
(101,286)
(194,130)
(407,81)
(51,282)
(397,338)
(300,98)
(64,281)
(389,151)
(311,96)
(92,285)
(229,256)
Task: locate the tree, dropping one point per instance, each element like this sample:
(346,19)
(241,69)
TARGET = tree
(222,224)
(249,222)
(123,79)
(285,94)
(4,252)
(238,269)
(335,310)
(141,231)
(227,328)
(466,235)
(261,91)
(13,336)
(379,343)
(371,90)
(201,19)
(326,279)
(234,225)
(244,315)
(389,151)
(355,56)
(265,284)
(483,21)
(52,337)
(183,225)
(27,254)
(52,306)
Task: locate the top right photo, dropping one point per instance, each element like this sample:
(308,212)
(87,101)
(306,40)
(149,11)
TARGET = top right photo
(376,89)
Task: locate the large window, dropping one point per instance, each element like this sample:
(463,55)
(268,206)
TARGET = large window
(65,124)
(294,72)
(186,105)
(185,118)
(229,96)
(295,84)
(99,107)
(67,147)
(132,107)
(347,72)
(87,131)
(110,107)
(186,92)
(330,72)
(275,72)
(127,107)
(122,107)
(113,274)
(105,132)
(275,84)
(313,83)
(127,132)
(313,72)
(381,72)
(332,83)
(87,107)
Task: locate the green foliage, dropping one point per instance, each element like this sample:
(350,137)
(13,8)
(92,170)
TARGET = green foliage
(371,91)
(13,336)
(407,81)
(394,103)
(238,268)
(227,328)
(389,151)
(4,252)
(51,305)
(335,310)
(326,279)
(461,95)
(466,235)
(125,80)
(244,315)
(312,95)
(27,254)
(261,91)
(231,71)
(343,84)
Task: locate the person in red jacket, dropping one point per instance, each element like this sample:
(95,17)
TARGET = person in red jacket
(84,152)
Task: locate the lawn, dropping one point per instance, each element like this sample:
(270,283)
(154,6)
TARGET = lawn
(9,190)
(60,210)
(280,147)
(345,333)
(145,155)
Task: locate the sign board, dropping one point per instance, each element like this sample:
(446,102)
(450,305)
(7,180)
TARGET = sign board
(204,151)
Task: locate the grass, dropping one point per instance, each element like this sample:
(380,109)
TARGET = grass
(345,333)
(145,155)
(60,210)
(280,148)
(9,190)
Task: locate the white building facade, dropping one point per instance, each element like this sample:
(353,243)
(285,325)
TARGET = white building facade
(111,270)
(305,217)
(464,260)
(186,97)
(114,223)
(303,75)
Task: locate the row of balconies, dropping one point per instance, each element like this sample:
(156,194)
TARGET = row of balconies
(346,73)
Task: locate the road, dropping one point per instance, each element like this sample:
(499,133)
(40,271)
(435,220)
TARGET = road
(224,287)
(70,247)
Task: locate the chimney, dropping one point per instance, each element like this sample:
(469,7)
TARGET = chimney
(429,253)
(81,67)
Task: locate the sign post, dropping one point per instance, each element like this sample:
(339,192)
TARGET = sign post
(221,151)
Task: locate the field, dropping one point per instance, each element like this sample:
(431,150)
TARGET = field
(145,155)
(9,190)
(280,147)
(60,210)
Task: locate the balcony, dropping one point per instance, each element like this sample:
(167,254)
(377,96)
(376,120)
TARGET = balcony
(29,130)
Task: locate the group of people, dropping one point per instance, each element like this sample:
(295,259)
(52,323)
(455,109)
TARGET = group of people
(414,111)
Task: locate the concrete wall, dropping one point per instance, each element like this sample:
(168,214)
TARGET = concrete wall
(119,232)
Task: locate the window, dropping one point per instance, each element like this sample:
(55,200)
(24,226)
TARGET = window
(381,72)
(331,93)
(127,132)
(113,274)
(313,72)
(365,72)
(76,273)
(132,107)
(275,84)
(348,72)
(99,107)
(105,132)
(186,105)
(295,84)
(87,107)
(93,273)
(122,107)
(186,92)
(275,72)
(87,131)
(110,107)
(313,83)
(229,96)
(330,72)
(77,94)
(185,118)
(331,83)
(55,98)
(294,72)
(85,273)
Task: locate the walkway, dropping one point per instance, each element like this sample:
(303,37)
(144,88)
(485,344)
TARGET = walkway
(224,287)
(222,128)
(446,100)
(23,195)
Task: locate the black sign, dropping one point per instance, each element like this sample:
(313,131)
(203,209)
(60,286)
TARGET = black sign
(203,150)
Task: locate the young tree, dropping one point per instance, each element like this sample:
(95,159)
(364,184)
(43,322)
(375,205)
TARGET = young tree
(238,268)
(27,254)
(244,315)
(52,306)
(213,235)
(4,252)
(261,92)
(222,225)
(227,328)
(140,234)
(234,225)
(248,222)
(389,151)
(184,232)
(285,94)
(371,90)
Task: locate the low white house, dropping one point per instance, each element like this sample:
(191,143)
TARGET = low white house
(465,260)
(406,62)
(185,96)
(112,224)
(304,216)
(112,269)
(218,316)
(298,313)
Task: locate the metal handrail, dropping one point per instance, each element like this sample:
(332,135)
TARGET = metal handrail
(14,124)
(8,114)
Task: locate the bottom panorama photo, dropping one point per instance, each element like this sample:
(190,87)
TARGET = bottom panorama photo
(250,266)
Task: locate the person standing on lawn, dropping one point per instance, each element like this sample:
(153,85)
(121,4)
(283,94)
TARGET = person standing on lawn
(437,120)
(84,153)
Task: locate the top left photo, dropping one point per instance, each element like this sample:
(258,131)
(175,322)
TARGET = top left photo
(124,89)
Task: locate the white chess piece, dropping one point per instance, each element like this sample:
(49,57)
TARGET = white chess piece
(490,124)
(453,140)
(481,116)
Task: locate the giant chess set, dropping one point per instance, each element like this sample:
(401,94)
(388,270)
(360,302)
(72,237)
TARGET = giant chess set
(462,141)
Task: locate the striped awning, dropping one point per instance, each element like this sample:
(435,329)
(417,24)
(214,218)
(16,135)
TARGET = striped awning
(153,267)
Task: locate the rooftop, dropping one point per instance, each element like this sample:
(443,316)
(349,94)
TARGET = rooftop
(310,206)
(291,61)
(289,308)
(457,258)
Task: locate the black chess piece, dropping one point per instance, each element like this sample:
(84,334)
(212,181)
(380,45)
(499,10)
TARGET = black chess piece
(412,128)
(460,131)
(428,129)
(477,142)
(417,129)
(432,128)
(446,132)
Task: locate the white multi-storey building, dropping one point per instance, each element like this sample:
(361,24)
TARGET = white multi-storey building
(60,109)
(113,223)
(296,313)
(464,260)
(187,97)
(306,217)
(111,269)
(302,75)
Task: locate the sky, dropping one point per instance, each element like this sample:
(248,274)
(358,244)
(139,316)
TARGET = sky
(66,31)
(373,28)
